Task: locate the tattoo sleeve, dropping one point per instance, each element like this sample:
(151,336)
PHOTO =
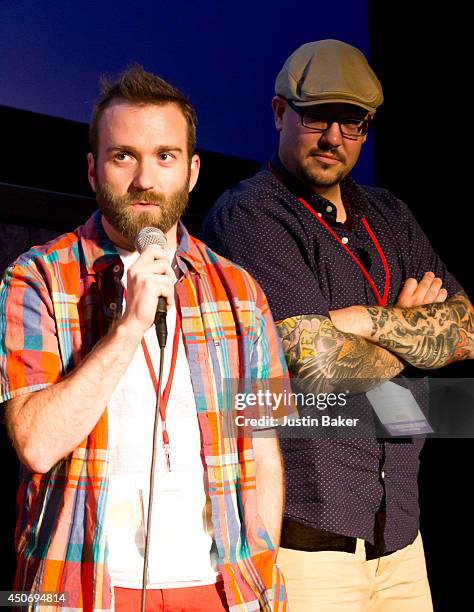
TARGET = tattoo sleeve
(429,336)
(325,360)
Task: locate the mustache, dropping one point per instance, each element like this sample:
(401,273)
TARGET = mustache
(148,197)
(330,153)
(142,196)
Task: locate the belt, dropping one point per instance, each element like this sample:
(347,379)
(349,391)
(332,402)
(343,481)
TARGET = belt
(298,536)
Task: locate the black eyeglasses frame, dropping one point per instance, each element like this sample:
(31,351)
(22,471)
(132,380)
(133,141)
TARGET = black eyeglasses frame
(301,111)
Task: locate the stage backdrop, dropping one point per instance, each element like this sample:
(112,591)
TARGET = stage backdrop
(223,55)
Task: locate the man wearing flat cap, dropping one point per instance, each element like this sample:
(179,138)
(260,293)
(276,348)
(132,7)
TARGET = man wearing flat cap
(360,298)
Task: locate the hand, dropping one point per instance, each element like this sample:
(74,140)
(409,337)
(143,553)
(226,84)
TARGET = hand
(428,291)
(150,277)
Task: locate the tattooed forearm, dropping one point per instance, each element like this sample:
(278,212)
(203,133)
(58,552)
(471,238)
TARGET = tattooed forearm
(325,360)
(427,337)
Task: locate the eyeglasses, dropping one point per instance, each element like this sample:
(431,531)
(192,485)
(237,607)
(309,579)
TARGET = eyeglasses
(317,121)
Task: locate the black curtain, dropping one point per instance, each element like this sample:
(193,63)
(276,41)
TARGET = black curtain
(419,51)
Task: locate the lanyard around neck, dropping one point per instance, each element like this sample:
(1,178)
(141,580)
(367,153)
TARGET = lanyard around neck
(381,300)
(167,390)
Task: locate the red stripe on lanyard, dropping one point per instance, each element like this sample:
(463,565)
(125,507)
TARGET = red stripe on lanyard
(381,301)
(167,390)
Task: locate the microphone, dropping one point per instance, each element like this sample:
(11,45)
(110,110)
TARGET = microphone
(146,236)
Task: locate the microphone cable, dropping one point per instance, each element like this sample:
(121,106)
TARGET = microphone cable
(152,480)
(146,236)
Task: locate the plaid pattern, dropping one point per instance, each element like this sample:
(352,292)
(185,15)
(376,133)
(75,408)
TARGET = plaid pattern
(56,301)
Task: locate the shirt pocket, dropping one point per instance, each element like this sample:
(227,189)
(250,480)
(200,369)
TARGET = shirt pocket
(66,315)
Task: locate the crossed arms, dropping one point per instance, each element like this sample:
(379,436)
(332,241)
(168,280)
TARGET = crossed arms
(361,346)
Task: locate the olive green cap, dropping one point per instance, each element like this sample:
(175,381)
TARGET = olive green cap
(328,71)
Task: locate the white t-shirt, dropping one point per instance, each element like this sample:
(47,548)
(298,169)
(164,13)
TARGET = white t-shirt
(181,533)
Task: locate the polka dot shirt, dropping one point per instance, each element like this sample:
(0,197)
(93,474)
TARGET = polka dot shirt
(335,484)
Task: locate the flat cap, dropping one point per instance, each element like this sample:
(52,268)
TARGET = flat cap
(327,71)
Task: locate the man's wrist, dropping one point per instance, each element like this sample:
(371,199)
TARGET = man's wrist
(353,320)
(129,331)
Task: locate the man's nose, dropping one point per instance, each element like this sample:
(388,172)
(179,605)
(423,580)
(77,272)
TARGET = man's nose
(331,137)
(145,176)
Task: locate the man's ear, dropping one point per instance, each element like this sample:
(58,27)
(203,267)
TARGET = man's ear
(194,171)
(279,108)
(91,170)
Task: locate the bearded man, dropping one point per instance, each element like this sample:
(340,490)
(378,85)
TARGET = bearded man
(78,358)
(359,295)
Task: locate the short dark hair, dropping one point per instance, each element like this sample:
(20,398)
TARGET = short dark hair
(138,86)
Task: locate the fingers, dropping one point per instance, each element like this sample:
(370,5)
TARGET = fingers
(441,297)
(153,286)
(406,294)
(428,291)
(153,260)
(431,287)
(149,278)
(152,252)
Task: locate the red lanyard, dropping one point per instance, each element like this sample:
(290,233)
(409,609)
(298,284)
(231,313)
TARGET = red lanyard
(167,390)
(381,301)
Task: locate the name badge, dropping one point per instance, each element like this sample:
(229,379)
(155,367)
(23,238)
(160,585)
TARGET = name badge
(398,410)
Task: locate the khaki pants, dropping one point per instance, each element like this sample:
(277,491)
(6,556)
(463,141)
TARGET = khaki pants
(333,581)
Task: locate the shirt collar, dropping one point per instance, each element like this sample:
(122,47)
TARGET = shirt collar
(100,252)
(188,254)
(351,192)
(296,186)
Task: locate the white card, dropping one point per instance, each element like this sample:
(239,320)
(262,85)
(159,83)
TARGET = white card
(398,410)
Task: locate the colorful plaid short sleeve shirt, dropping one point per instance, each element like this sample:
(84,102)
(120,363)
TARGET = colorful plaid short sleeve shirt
(56,302)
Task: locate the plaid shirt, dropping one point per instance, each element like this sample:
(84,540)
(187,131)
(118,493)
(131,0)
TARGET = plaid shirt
(56,302)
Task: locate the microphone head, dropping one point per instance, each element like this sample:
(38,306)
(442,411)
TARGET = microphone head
(149,235)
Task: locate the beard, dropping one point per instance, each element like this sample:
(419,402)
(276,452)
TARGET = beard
(319,176)
(163,213)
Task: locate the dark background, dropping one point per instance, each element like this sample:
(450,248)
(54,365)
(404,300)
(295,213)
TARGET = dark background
(226,60)
(419,51)
(224,55)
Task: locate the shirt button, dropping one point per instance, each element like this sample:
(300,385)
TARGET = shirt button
(344,240)
(320,214)
(383,474)
(113,306)
(116,268)
(328,208)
